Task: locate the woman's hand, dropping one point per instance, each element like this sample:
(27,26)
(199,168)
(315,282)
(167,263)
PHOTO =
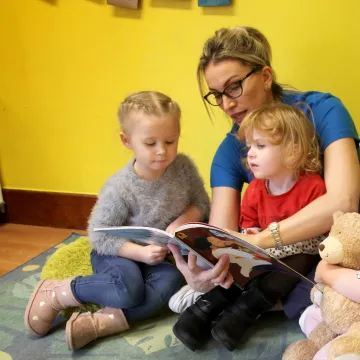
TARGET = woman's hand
(199,279)
(253,230)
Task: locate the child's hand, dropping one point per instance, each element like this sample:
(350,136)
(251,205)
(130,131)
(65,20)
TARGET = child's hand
(153,254)
(253,230)
(250,238)
(326,273)
(171,228)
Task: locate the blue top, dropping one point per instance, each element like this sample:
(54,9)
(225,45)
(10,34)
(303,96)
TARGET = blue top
(332,122)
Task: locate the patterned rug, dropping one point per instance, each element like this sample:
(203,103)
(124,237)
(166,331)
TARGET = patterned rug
(152,340)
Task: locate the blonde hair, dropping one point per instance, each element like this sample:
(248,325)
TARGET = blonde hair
(289,127)
(150,103)
(245,44)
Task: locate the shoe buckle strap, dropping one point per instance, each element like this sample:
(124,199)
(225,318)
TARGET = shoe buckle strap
(204,302)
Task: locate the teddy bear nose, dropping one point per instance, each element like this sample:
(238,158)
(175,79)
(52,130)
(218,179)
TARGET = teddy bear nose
(321,247)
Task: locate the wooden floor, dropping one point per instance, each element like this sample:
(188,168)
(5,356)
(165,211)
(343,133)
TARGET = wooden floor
(21,243)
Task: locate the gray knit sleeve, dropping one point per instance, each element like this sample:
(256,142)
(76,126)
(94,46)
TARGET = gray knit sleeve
(109,210)
(198,195)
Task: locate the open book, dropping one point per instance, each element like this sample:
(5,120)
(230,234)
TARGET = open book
(209,243)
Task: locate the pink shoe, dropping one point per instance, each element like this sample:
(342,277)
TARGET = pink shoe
(82,328)
(48,298)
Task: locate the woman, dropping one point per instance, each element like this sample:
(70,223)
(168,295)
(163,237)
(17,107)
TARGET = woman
(236,66)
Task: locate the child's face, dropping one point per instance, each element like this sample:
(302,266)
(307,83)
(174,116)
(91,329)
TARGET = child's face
(154,141)
(266,161)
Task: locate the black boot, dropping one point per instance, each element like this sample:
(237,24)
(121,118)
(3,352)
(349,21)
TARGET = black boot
(193,327)
(239,317)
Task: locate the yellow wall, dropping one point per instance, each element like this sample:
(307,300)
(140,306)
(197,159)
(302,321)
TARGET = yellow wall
(66,64)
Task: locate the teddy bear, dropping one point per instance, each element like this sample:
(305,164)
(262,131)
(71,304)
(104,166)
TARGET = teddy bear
(332,323)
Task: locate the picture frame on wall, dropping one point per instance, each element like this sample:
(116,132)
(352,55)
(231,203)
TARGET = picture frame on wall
(129,4)
(213,2)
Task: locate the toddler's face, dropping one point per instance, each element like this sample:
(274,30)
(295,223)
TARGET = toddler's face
(265,159)
(154,141)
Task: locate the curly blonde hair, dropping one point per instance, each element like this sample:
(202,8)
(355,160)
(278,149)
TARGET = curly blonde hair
(289,127)
(150,103)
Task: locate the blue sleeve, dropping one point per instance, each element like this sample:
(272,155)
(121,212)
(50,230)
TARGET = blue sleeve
(227,168)
(333,122)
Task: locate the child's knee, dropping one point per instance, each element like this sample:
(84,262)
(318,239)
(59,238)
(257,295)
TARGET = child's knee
(176,279)
(129,292)
(170,284)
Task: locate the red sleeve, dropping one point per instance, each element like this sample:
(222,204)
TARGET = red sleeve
(249,207)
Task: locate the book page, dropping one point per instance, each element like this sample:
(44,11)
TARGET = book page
(246,260)
(142,235)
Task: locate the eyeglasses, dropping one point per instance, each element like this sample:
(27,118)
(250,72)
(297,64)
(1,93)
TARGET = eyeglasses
(232,91)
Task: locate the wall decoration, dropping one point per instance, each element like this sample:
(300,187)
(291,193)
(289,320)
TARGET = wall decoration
(213,2)
(130,4)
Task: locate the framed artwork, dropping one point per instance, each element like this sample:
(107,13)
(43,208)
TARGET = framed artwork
(130,4)
(213,2)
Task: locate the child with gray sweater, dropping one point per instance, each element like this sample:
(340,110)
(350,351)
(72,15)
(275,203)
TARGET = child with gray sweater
(158,188)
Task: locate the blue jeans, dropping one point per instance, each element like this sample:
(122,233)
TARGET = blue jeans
(137,288)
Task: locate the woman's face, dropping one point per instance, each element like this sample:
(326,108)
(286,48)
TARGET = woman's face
(256,88)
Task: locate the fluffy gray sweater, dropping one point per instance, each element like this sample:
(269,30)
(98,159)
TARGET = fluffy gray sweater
(127,200)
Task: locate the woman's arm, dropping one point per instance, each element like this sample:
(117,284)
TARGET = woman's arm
(344,281)
(225,208)
(342,179)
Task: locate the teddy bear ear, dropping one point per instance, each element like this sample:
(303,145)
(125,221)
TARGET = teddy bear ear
(337,214)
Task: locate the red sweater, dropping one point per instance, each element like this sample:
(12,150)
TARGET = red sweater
(259,209)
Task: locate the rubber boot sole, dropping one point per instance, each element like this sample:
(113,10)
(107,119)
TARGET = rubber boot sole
(225,343)
(189,344)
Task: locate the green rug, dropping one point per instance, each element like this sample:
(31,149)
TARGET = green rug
(152,340)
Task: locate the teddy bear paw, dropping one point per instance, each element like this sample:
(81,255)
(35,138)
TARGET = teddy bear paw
(300,350)
(345,345)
